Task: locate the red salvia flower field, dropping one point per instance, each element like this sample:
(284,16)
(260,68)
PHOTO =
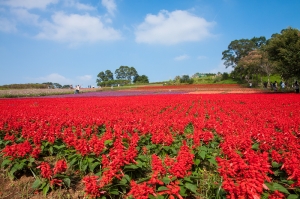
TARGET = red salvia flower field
(156,146)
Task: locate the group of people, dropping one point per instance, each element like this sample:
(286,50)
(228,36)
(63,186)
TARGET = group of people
(283,85)
(76,91)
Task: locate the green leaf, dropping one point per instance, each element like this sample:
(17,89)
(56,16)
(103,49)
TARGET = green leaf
(51,150)
(191,187)
(151,196)
(21,166)
(123,181)
(293,196)
(93,166)
(255,146)
(131,166)
(275,165)
(212,160)
(46,189)
(37,183)
(127,177)
(166,180)
(143,158)
(280,188)
(188,179)
(108,142)
(182,191)
(5,162)
(203,148)
(31,159)
(166,148)
(140,164)
(73,161)
(197,162)
(67,182)
(162,188)
(114,191)
(58,147)
(13,170)
(90,160)
(202,154)
(84,167)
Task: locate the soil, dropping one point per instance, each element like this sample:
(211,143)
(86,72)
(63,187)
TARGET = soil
(21,188)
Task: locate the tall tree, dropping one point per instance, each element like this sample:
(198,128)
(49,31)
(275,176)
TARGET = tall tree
(125,72)
(284,50)
(109,75)
(257,63)
(240,48)
(101,77)
(121,72)
(132,73)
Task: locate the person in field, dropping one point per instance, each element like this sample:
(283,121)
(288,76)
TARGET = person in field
(296,87)
(77,89)
(275,86)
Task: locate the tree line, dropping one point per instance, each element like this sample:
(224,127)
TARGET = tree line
(123,75)
(251,58)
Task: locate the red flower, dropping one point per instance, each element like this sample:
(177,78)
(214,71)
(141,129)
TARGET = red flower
(60,166)
(46,171)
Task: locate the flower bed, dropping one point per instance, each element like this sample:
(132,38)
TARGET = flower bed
(156,146)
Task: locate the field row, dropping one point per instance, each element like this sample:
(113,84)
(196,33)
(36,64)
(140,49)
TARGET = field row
(163,146)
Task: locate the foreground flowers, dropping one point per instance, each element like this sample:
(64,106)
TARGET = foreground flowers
(241,146)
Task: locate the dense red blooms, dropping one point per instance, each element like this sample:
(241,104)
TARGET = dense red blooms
(184,162)
(253,132)
(60,167)
(91,186)
(46,170)
(17,150)
(140,191)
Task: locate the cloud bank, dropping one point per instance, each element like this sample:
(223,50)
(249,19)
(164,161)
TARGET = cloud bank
(172,28)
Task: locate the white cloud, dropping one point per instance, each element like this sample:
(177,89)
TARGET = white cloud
(29,4)
(7,26)
(181,57)
(79,6)
(54,78)
(221,68)
(24,16)
(110,5)
(85,77)
(76,28)
(172,28)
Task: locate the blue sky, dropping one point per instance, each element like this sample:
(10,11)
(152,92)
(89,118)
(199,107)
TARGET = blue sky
(71,41)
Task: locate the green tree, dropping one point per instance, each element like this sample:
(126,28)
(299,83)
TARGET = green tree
(140,79)
(284,50)
(122,72)
(240,48)
(125,72)
(132,73)
(101,77)
(57,85)
(255,63)
(109,75)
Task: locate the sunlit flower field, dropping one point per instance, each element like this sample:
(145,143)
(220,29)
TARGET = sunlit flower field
(163,145)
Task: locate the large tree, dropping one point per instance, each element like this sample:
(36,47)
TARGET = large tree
(140,79)
(125,72)
(101,77)
(109,75)
(255,63)
(240,48)
(284,51)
